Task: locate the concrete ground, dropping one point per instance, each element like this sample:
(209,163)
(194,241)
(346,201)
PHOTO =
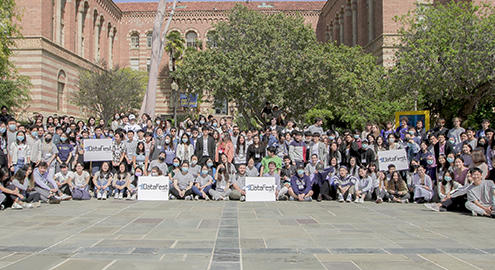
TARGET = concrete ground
(116,234)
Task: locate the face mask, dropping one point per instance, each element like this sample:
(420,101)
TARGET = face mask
(117,117)
(34,134)
(194,162)
(481,144)
(184,140)
(364,146)
(331,138)
(138,174)
(12,127)
(158,122)
(411,132)
(176,164)
(221,170)
(167,141)
(63,139)
(185,169)
(409,145)
(215,124)
(48,140)
(20,138)
(2,130)
(204,172)
(188,133)
(202,122)
(429,162)
(236,133)
(447,178)
(450,160)
(300,172)
(209,164)
(110,135)
(64,173)
(356,137)
(414,166)
(161,158)
(72,138)
(154,174)
(391,140)
(160,136)
(452,141)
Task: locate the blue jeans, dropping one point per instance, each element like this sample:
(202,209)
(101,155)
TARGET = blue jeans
(119,183)
(198,192)
(20,163)
(103,184)
(257,165)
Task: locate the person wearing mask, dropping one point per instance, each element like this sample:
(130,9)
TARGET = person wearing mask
(222,190)
(182,183)
(35,144)
(11,131)
(366,154)
(300,186)
(387,131)
(159,162)
(19,153)
(185,150)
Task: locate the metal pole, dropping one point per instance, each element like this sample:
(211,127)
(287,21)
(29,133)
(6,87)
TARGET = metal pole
(415,104)
(175,108)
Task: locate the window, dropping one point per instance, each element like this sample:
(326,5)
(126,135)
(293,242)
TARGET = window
(191,39)
(221,106)
(149,40)
(60,95)
(211,43)
(148,65)
(135,40)
(135,64)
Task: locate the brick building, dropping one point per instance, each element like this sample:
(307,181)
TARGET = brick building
(63,36)
(367,23)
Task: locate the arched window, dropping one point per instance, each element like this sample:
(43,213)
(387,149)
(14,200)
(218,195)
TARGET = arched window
(149,40)
(134,40)
(191,38)
(60,90)
(211,43)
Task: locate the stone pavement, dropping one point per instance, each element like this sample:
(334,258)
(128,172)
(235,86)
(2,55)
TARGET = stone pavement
(231,235)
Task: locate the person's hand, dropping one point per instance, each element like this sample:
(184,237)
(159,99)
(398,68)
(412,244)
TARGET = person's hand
(489,210)
(221,166)
(400,192)
(20,196)
(59,184)
(53,190)
(448,196)
(243,192)
(226,188)
(12,169)
(182,193)
(300,197)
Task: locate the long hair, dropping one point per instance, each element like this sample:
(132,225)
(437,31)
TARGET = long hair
(238,144)
(401,185)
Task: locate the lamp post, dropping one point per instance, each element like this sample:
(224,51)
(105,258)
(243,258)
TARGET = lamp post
(175,87)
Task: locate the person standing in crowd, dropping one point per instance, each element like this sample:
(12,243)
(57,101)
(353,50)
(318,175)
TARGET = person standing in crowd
(65,150)
(485,125)
(132,126)
(471,140)
(256,151)
(184,149)
(140,159)
(318,148)
(49,153)
(316,127)
(387,131)
(403,129)
(205,147)
(225,146)
(456,131)
(443,146)
(479,161)
(34,143)
(240,152)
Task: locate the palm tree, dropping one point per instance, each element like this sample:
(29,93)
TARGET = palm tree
(175,47)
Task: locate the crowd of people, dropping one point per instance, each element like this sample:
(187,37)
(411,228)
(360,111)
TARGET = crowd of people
(206,158)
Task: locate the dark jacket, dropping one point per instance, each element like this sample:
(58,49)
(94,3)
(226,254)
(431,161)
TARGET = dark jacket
(200,147)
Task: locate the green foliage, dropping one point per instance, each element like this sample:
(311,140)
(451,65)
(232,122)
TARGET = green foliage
(254,58)
(446,57)
(14,88)
(175,47)
(484,111)
(106,92)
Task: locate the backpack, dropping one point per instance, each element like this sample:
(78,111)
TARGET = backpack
(80,194)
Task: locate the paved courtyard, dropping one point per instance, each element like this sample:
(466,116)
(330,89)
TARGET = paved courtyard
(231,235)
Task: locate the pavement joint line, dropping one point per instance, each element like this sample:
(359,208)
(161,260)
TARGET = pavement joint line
(255,214)
(468,263)
(332,213)
(142,237)
(6,256)
(130,221)
(80,231)
(426,229)
(161,257)
(216,239)
(61,263)
(177,215)
(174,244)
(357,266)
(130,251)
(264,242)
(184,256)
(280,212)
(93,245)
(320,261)
(92,210)
(199,224)
(109,264)
(430,261)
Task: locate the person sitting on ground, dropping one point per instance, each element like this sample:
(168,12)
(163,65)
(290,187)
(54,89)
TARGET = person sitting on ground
(202,184)
(480,198)
(344,184)
(423,186)
(45,185)
(272,172)
(397,188)
(381,190)
(222,190)
(364,186)
(182,183)
(62,178)
(455,199)
(251,170)
(239,184)
(300,186)
(132,184)
(102,181)
(25,198)
(119,181)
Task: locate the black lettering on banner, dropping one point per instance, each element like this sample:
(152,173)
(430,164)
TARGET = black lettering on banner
(159,187)
(264,187)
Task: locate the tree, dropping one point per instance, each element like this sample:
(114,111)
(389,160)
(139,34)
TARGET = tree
(14,88)
(446,57)
(174,45)
(106,92)
(254,58)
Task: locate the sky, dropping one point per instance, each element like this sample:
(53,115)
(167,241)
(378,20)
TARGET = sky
(126,1)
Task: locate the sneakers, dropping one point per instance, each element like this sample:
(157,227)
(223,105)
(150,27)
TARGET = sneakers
(172,197)
(357,200)
(27,205)
(226,199)
(54,200)
(407,201)
(128,198)
(432,207)
(134,197)
(379,200)
(196,198)
(341,198)
(104,196)
(282,198)
(16,206)
(472,212)
(65,197)
(309,199)
(98,196)
(37,204)
(291,198)
(349,199)
(121,195)
(320,198)
(2,207)
(243,198)
(116,195)
(207,198)
(188,198)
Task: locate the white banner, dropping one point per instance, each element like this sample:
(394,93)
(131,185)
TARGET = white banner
(153,188)
(260,189)
(97,149)
(396,157)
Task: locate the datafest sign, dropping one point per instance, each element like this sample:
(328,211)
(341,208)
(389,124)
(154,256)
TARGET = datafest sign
(97,149)
(153,188)
(260,189)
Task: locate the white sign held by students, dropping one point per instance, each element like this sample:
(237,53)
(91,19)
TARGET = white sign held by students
(153,188)
(396,157)
(260,189)
(97,149)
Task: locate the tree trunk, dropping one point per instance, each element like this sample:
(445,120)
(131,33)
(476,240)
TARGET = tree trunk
(158,44)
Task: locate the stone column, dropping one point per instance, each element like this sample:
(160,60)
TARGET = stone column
(97,39)
(341,25)
(58,22)
(110,49)
(354,23)
(80,11)
(370,20)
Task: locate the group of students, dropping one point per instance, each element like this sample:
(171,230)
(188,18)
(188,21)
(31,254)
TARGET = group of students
(209,159)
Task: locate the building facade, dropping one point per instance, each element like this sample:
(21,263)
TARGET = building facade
(63,36)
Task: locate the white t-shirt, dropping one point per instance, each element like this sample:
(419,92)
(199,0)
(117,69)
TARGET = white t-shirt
(80,180)
(60,177)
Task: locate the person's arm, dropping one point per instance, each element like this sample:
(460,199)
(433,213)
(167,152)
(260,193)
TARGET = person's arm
(488,210)
(236,187)
(18,185)
(189,186)
(87,181)
(95,182)
(227,187)
(134,162)
(175,183)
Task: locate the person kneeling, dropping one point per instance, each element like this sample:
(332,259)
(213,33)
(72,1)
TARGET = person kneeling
(300,186)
